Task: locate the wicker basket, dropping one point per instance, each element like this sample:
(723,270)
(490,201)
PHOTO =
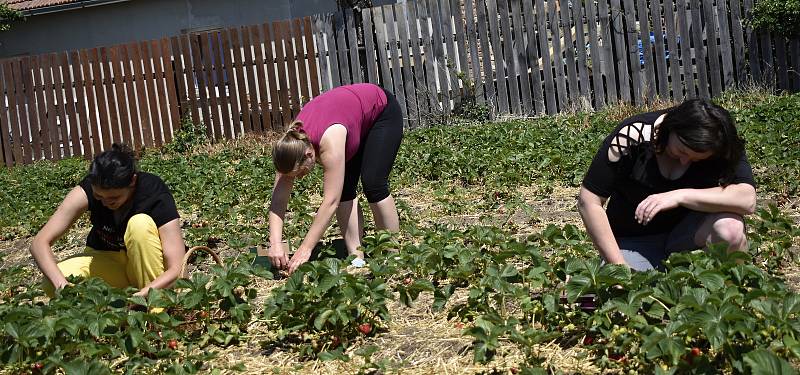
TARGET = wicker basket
(189,253)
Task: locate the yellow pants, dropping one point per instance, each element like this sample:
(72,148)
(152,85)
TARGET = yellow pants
(142,263)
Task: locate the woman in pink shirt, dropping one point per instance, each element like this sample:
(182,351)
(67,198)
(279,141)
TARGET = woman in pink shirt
(352,131)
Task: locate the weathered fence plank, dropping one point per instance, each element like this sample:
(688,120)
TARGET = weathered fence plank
(675,87)
(417,50)
(569,51)
(686,52)
(728,75)
(532,56)
(662,77)
(699,53)
(617,29)
(520,58)
(57,111)
(712,47)
(507,40)
(585,98)
(81,103)
(499,73)
(460,41)
(69,105)
(396,65)
(631,46)
(239,82)
(6,88)
(490,91)
(412,110)
(739,59)
(160,94)
(609,65)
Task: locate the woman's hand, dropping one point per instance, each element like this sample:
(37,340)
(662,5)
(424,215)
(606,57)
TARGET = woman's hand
(656,203)
(73,206)
(300,256)
(277,255)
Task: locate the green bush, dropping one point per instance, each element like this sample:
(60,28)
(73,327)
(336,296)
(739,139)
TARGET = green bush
(781,17)
(188,136)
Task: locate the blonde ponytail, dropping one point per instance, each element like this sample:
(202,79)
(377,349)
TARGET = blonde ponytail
(289,152)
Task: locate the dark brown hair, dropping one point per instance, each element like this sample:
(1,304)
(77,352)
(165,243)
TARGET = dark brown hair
(703,127)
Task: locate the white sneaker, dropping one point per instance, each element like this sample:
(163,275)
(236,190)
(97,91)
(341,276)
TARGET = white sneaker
(358,263)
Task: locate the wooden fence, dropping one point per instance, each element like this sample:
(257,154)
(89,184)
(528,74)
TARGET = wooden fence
(518,57)
(529,57)
(242,79)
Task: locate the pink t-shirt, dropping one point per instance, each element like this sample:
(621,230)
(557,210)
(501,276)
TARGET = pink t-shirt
(354,106)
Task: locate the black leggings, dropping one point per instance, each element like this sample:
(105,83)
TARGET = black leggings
(375,157)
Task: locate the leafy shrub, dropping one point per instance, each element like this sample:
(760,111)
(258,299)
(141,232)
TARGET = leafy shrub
(781,17)
(188,137)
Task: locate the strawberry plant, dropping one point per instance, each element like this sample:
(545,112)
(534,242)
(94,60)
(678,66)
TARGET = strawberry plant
(321,307)
(90,326)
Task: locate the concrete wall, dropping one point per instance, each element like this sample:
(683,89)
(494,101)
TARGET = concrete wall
(136,20)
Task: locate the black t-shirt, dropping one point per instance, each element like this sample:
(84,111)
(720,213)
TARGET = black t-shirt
(636,175)
(151,197)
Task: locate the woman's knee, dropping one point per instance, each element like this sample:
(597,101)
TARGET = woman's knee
(730,229)
(376,192)
(140,225)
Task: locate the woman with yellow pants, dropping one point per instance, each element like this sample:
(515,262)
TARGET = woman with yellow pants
(135,239)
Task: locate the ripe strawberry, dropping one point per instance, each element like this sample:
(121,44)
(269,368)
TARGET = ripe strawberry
(588,340)
(203,314)
(336,341)
(407,281)
(365,328)
(696,352)
(38,366)
(172,344)
(514,370)
(459,325)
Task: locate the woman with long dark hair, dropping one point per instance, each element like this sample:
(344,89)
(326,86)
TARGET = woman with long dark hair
(675,180)
(136,237)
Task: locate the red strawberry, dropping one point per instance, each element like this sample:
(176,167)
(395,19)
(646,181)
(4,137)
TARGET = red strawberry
(459,325)
(588,340)
(514,370)
(172,344)
(407,281)
(365,328)
(696,352)
(36,367)
(336,341)
(203,314)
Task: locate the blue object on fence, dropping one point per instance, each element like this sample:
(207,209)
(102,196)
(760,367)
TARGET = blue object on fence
(652,43)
